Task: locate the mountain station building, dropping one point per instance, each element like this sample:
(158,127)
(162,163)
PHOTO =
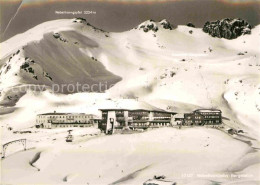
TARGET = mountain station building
(60,120)
(202,117)
(116,119)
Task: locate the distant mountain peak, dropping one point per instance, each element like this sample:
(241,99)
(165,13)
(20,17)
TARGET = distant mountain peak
(166,24)
(84,21)
(151,25)
(79,20)
(227,28)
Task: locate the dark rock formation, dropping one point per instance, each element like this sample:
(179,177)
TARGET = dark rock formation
(191,25)
(79,19)
(84,21)
(56,35)
(166,24)
(227,28)
(150,25)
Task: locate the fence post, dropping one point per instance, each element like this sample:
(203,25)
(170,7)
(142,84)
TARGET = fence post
(23,141)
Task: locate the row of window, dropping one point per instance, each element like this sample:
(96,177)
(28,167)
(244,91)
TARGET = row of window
(70,117)
(63,121)
(138,113)
(210,113)
(119,112)
(67,121)
(162,115)
(159,124)
(85,116)
(210,121)
(151,124)
(212,117)
(141,118)
(200,121)
(161,118)
(70,125)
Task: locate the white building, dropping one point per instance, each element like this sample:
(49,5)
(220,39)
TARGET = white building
(118,119)
(59,120)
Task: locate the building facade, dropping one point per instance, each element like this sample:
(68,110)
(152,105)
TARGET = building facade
(114,119)
(210,116)
(201,117)
(59,120)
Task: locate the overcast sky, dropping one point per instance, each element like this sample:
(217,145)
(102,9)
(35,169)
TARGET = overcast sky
(123,15)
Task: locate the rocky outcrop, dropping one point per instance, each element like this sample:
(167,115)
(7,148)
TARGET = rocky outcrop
(227,28)
(166,24)
(191,25)
(84,21)
(151,25)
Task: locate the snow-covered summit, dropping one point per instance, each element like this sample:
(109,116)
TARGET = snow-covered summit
(166,24)
(151,25)
(84,21)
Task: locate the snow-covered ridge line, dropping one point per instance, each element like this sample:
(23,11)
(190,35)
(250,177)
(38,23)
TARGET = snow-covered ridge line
(36,34)
(151,25)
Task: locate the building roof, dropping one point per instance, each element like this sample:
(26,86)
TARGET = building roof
(147,110)
(207,110)
(130,105)
(60,113)
(188,114)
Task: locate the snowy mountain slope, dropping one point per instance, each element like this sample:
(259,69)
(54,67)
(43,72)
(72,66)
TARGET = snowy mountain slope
(64,62)
(196,69)
(105,160)
(53,55)
(154,61)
